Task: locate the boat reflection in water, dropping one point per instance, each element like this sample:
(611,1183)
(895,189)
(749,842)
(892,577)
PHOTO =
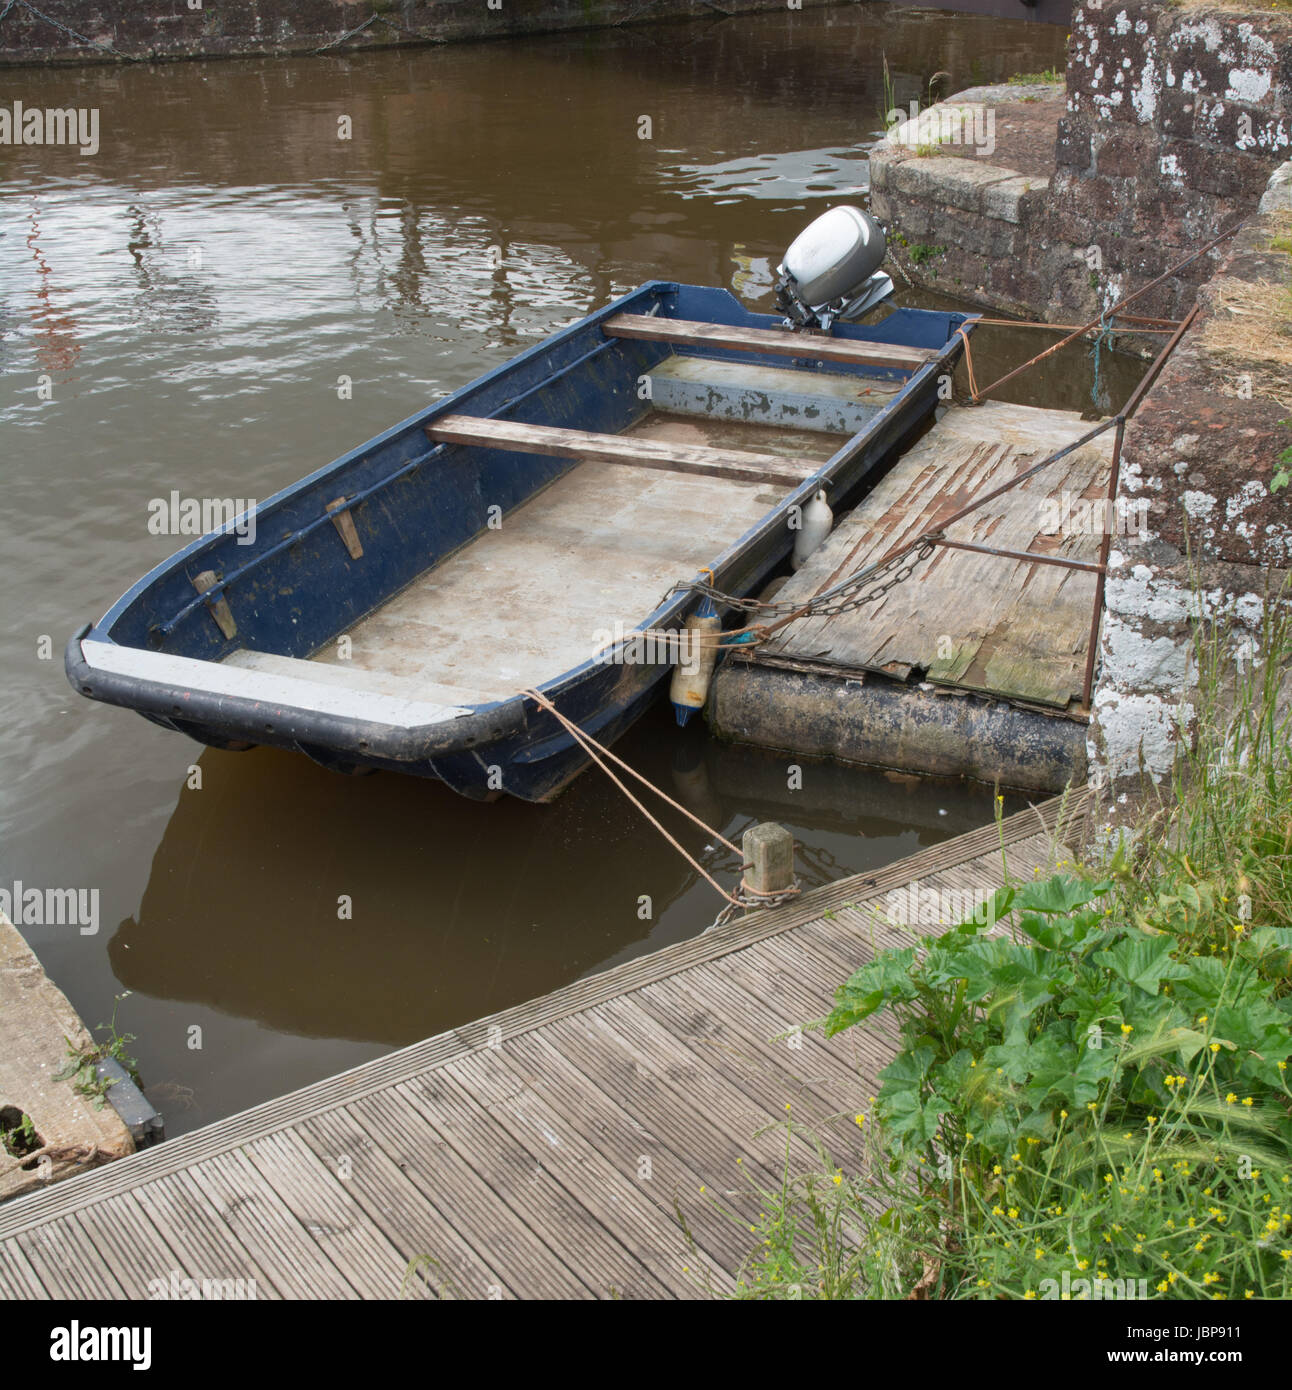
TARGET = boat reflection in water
(384,910)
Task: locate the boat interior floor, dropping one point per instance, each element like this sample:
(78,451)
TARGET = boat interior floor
(519,605)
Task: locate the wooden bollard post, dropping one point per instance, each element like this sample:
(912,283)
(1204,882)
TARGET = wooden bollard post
(769,859)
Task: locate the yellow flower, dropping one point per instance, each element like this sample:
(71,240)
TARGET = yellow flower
(1127,1028)
(995,1168)
(1029,1294)
(1083,1264)
(1215,1047)
(1247,1293)
(1282,1066)
(1211,1278)
(1063,1114)
(860,1118)
(984,1283)
(968,1137)
(1247,1100)
(1163,1286)
(998,1211)
(1013,1213)
(1231,1098)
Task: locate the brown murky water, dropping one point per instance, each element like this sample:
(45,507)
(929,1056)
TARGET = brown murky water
(189,296)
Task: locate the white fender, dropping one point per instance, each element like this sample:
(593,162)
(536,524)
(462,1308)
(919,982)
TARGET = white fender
(817,521)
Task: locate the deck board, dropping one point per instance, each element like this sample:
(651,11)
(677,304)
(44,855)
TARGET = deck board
(509,1151)
(734,465)
(973,621)
(777,342)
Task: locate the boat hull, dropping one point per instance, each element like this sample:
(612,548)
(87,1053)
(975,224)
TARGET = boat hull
(155,649)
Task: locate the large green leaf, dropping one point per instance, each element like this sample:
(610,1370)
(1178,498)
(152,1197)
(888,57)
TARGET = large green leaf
(1057,894)
(1143,961)
(883,980)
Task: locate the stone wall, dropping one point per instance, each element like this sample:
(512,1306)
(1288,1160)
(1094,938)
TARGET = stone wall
(1175,120)
(971,219)
(1203,448)
(117,30)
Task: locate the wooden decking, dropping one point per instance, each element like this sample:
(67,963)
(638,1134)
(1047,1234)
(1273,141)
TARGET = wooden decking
(543,1152)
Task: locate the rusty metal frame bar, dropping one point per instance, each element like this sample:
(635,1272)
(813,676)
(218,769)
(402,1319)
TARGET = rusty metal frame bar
(1114,476)
(1112,312)
(1030,556)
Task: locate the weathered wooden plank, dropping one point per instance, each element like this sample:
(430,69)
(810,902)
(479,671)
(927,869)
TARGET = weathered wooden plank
(657,1077)
(204,1246)
(531,1188)
(449,1267)
(65,1262)
(321,1203)
(264,1225)
(608,1188)
(588,446)
(815,346)
(626,1125)
(17,1277)
(130,1245)
(734,1032)
(967,619)
(530,1266)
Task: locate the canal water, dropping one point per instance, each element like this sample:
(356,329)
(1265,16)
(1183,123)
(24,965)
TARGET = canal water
(227,295)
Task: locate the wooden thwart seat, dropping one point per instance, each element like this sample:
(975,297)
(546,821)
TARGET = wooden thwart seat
(740,465)
(770,340)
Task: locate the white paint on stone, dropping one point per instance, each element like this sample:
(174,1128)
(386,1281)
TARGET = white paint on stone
(1133,661)
(1138,727)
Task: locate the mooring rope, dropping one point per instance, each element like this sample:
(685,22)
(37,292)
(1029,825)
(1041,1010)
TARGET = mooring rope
(599,753)
(1103,338)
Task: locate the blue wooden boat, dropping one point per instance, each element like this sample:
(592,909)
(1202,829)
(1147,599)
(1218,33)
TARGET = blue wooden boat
(394,604)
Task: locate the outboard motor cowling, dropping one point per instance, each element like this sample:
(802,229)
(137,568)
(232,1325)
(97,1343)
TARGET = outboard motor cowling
(832,270)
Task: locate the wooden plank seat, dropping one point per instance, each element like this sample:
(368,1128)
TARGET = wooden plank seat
(780,342)
(737,464)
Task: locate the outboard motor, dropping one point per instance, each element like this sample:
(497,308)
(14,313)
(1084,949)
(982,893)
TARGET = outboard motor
(832,270)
